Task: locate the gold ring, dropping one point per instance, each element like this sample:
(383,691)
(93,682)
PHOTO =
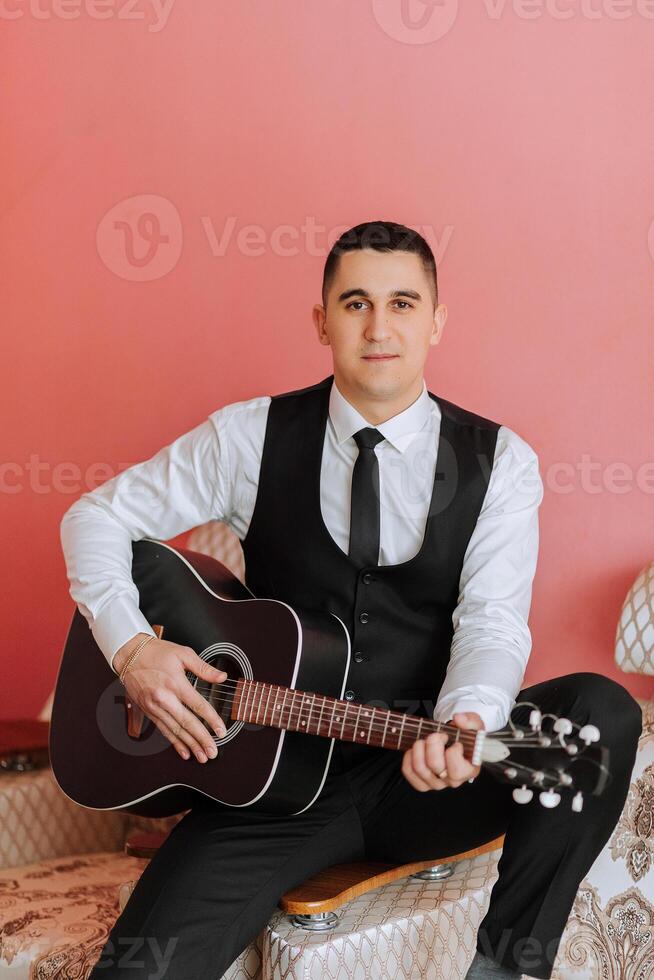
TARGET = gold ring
(443,774)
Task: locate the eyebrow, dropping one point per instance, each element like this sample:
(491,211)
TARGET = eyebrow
(358,291)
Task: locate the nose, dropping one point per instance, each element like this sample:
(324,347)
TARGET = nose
(377,327)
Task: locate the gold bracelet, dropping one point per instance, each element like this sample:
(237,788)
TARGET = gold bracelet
(132,657)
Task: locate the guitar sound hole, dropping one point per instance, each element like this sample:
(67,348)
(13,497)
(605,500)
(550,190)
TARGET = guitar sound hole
(221,696)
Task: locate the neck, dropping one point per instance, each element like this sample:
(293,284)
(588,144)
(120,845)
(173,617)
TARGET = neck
(379,408)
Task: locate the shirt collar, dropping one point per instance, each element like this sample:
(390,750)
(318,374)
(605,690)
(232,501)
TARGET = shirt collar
(398,430)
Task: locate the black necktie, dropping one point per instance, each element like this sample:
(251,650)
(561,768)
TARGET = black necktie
(364,513)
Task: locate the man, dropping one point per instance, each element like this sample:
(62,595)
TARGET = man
(415,521)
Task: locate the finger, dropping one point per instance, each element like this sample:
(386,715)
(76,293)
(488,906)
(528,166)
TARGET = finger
(177,744)
(410,774)
(191,731)
(172,725)
(435,752)
(468,719)
(458,767)
(422,769)
(201,668)
(187,694)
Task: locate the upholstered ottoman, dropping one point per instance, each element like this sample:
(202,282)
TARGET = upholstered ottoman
(404,930)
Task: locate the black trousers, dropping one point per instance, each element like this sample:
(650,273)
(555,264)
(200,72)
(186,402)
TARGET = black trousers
(213,885)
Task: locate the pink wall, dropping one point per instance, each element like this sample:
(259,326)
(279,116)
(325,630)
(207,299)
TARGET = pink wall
(515,137)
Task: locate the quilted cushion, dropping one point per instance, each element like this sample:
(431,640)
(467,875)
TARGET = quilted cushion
(38,821)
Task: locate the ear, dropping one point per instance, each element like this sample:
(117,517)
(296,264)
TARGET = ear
(319,322)
(440,317)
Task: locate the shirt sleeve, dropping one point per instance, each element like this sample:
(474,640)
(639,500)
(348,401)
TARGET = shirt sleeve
(492,641)
(183,485)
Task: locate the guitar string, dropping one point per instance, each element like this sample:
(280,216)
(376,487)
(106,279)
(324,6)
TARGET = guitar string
(301,712)
(304,712)
(464,736)
(530,740)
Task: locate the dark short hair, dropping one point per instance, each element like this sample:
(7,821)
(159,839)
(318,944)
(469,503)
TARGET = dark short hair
(383,236)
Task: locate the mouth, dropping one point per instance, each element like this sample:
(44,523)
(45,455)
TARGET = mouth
(379,357)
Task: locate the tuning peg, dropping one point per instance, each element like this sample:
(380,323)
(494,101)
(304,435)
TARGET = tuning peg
(589,733)
(535,718)
(577,802)
(549,798)
(563,726)
(522,795)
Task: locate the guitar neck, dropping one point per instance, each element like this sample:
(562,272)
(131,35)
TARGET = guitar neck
(258,703)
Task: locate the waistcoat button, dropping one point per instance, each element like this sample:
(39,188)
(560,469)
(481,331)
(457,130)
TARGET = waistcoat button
(358,657)
(349,695)
(367,578)
(363,618)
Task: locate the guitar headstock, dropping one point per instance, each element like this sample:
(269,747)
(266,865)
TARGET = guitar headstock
(549,755)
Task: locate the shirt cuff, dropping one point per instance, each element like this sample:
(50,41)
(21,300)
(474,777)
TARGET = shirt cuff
(491,714)
(119,621)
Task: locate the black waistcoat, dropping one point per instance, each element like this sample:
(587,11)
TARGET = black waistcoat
(399,616)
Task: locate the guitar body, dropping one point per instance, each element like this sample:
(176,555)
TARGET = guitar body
(103,760)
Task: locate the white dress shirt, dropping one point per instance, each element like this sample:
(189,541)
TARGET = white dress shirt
(211,472)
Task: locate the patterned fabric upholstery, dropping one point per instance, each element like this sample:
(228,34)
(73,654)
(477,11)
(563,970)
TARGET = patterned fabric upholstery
(55,916)
(405,930)
(610,933)
(634,638)
(38,821)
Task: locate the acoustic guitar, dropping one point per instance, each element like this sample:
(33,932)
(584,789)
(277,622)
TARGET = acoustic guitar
(282,704)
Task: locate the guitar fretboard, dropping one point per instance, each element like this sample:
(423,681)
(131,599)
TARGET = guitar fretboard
(259,703)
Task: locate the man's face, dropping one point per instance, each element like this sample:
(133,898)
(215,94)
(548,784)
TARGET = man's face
(380,322)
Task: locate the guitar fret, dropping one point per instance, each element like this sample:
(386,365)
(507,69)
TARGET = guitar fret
(393,726)
(370,725)
(303,721)
(346,708)
(383,738)
(277,710)
(334,707)
(311,706)
(284,724)
(322,708)
(266,719)
(247,686)
(356,724)
(259,703)
(399,740)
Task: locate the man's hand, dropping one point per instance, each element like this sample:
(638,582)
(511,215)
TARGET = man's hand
(157,683)
(428,757)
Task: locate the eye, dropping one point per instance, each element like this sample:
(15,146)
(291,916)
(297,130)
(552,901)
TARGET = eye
(405,304)
(356,302)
